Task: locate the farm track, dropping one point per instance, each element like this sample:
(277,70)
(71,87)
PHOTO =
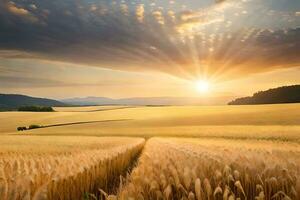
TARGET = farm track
(86,122)
(116,181)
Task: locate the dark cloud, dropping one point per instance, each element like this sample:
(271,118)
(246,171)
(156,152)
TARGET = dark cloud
(134,37)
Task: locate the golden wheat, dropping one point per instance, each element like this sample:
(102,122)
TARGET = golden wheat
(61,168)
(272,122)
(215,169)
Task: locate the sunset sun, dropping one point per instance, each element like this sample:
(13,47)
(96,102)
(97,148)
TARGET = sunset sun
(202,86)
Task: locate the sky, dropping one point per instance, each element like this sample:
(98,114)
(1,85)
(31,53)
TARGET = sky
(148,48)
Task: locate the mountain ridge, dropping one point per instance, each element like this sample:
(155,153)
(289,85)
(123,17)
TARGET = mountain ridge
(14,101)
(85,101)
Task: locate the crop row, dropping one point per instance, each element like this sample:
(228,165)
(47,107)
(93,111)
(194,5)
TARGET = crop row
(65,175)
(207,169)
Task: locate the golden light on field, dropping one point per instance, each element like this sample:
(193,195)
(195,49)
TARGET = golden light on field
(202,86)
(193,152)
(149,99)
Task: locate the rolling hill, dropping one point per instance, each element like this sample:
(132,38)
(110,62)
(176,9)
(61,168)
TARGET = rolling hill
(285,94)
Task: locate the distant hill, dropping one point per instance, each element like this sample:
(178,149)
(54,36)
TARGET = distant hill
(155,101)
(285,94)
(14,101)
(87,101)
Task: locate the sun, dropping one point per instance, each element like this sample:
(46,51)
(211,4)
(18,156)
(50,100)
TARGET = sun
(202,86)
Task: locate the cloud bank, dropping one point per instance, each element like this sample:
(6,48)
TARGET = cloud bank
(218,40)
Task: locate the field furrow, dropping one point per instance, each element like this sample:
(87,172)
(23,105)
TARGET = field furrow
(201,169)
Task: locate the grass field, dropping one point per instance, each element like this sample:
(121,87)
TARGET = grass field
(192,152)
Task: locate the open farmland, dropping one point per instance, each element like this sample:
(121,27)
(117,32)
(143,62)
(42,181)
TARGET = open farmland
(259,121)
(173,168)
(33,167)
(88,108)
(201,152)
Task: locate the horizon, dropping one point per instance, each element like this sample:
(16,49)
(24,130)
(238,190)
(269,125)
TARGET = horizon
(132,97)
(283,94)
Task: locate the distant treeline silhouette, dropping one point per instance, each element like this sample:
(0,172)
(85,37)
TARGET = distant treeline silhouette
(36,108)
(285,94)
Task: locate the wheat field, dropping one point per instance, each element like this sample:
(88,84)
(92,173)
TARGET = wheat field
(88,108)
(188,152)
(172,168)
(272,122)
(55,168)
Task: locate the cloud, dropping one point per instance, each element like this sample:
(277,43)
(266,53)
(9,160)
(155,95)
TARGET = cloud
(33,6)
(124,8)
(15,10)
(219,1)
(191,19)
(212,41)
(22,12)
(172,14)
(4,54)
(195,20)
(158,16)
(140,12)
